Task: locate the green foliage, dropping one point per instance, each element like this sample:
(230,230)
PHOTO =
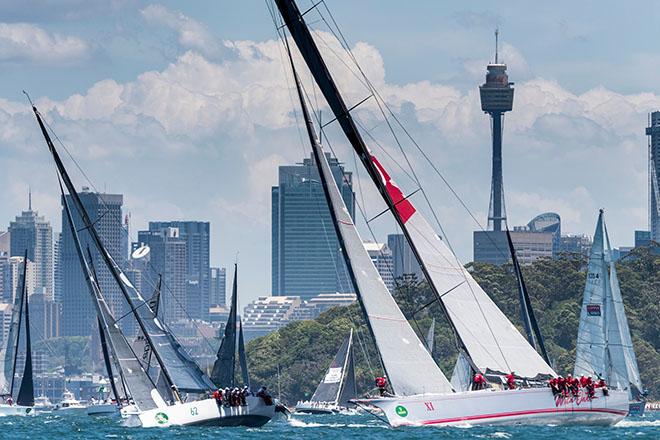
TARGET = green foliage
(302,351)
(71,353)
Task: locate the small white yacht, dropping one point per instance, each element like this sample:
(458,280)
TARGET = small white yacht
(70,405)
(43,404)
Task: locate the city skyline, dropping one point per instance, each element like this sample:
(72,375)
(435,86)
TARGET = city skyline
(581,122)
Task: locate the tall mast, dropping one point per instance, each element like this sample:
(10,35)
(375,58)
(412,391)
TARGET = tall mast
(26,391)
(310,52)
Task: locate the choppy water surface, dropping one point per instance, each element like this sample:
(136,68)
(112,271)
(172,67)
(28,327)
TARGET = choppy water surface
(50,426)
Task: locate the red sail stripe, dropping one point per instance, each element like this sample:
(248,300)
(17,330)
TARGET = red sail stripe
(403,206)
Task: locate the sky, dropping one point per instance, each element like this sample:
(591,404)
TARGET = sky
(186,108)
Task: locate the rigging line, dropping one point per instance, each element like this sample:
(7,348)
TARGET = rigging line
(378,101)
(400,201)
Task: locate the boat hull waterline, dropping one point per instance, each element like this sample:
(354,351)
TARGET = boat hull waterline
(15,410)
(205,412)
(488,407)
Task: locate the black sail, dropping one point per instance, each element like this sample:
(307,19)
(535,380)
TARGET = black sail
(180,370)
(26,391)
(138,382)
(224,367)
(349,387)
(242,357)
(532,329)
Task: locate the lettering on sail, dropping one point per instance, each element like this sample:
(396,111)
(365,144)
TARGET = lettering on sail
(429,406)
(404,208)
(575,400)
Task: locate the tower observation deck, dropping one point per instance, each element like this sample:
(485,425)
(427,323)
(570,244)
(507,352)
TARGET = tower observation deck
(496,99)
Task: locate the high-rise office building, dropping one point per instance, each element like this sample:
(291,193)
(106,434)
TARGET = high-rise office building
(32,233)
(168,258)
(218,293)
(57,273)
(404,261)
(196,235)
(306,258)
(5,244)
(381,256)
(78,312)
(653,131)
(11,271)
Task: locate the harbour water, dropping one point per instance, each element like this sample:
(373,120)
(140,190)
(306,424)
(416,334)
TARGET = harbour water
(52,426)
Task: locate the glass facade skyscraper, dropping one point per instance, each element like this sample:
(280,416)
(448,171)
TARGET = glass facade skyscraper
(78,312)
(306,256)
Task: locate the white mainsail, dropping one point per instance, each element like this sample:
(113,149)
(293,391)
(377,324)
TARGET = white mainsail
(409,366)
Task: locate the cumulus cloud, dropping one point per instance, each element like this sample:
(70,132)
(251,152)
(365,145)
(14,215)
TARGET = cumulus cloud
(191,33)
(28,42)
(203,136)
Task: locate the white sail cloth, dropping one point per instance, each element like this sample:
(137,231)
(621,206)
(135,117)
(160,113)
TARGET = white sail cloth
(493,343)
(604,346)
(408,364)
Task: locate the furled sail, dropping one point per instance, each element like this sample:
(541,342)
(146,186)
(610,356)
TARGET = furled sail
(181,371)
(135,377)
(330,387)
(491,341)
(409,366)
(224,367)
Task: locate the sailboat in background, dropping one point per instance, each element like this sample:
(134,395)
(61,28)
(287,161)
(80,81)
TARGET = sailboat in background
(24,402)
(224,368)
(430,337)
(187,401)
(338,386)
(604,346)
(421,394)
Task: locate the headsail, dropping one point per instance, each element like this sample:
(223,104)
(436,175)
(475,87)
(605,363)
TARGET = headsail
(242,356)
(349,385)
(26,391)
(180,370)
(409,366)
(490,340)
(623,354)
(224,367)
(329,389)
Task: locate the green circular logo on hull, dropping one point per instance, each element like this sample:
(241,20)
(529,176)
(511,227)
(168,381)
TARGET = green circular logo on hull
(401,411)
(161,418)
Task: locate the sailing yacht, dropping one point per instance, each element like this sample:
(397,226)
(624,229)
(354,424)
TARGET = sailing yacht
(24,403)
(224,368)
(185,400)
(604,346)
(338,386)
(420,392)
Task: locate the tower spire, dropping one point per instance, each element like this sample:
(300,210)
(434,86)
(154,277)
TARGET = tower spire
(29,199)
(497,37)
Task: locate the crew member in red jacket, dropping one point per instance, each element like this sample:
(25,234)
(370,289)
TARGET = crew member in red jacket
(381,383)
(511,380)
